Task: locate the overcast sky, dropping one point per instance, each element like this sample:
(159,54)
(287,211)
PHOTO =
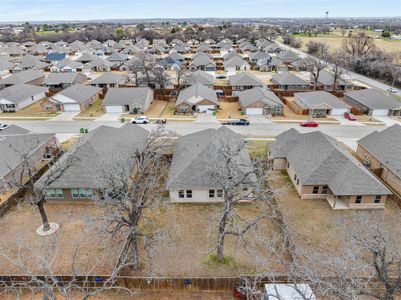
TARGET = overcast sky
(39,10)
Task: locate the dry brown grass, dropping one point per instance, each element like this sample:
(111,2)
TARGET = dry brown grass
(96,110)
(33,110)
(156,108)
(229,110)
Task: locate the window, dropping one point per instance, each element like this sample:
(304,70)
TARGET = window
(82,193)
(219,193)
(324,189)
(297,181)
(59,193)
(74,193)
(54,193)
(189,193)
(181,194)
(358,199)
(378,198)
(315,190)
(89,193)
(211,193)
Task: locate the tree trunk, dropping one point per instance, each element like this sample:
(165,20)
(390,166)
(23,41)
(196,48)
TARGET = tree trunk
(221,236)
(134,253)
(41,207)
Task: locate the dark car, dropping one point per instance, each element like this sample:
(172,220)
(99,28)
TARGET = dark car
(237,122)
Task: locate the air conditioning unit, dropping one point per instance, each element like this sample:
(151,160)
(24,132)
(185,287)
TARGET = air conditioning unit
(47,156)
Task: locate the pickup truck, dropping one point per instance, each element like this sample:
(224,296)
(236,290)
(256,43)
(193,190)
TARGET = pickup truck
(242,122)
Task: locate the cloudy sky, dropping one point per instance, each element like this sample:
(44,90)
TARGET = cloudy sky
(39,10)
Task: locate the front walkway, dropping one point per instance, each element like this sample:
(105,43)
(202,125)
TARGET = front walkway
(388,121)
(206,118)
(344,121)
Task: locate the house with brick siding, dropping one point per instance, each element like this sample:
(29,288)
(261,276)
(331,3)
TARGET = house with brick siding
(197,98)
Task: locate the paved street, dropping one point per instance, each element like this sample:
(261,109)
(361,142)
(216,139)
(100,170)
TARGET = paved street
(183,128)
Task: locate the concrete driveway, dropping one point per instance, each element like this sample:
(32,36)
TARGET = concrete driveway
(388,121)
(65,116)
(256,119)
(344,121)
(206,118)
(109,117)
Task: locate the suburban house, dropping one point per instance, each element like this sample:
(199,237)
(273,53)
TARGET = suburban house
(67,65)
(201,77)
(33,77)
(77,97)
(288,57)
(371,102)
(319,167)
(325,81)
(381,152)
(87,167)
(197,98)
(202,62)
(194,160)
(99,65)
(54,57)
(271,64)
(109,80)
(244,81)
(260,101)
(16,97)
(133,99)
(236,64)
(35,148)
(27,62)
(5,66)
(86,57)
(321,104)
(63,80)
(286,81)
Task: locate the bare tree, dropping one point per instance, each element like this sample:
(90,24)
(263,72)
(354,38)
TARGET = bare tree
(358,45)
(337,61)
(180,73)
(129,194)
(315,64)
(161,78)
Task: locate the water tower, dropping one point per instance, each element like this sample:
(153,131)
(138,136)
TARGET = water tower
(327,14)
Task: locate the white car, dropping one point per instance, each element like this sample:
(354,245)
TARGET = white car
(140,120)
(392,90)
(4,126)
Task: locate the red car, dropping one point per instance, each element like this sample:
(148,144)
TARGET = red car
(309,124)
(349,116)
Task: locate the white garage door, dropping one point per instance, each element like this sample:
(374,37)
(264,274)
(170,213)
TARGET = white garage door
(72,107)
(206,108)
(254,111)
(114,109)
(380,112)
(339,111)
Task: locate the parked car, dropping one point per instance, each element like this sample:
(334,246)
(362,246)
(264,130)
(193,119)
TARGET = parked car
(3,126)
(309,124)
(237,122)
(391,90)
(221,77)
(140,120)
(349,116)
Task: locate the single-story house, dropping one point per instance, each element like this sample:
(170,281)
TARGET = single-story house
(325,81)
(243,81)
(16,97)
(63,80)
(195,98)
(132,99)
(109,80)
(371,102)
(288,57)
(27,62)
(33,147)
(319,167)
(33,77)
(286,81)
(66,65)
(77,97)
(99,65)
(202,62)
(96,156)
(54,57)
(271,64)
(201,77)
(5,66)
(236,64)
(381,152)
(86,57)
(191,172)
(260,101)
(321,104)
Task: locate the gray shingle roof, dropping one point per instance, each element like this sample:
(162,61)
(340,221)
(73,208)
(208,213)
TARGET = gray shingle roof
(386,147)
(20,92)
(236,61)
(96,155)
(126,96)
(315,100)
(197,93)
(109,77)
(374,99)
(14,147)
(286,78)
(244,79)
(193,159)
(22,77)
(255,94)
(78,93)
(201,77)
(327,78)
(64,78)
(318,159)
(14,129)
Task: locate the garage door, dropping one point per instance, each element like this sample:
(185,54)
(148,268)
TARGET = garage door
(339,111)
(206,108)
(114,109)
(72,107)
(254,111)
(380,112)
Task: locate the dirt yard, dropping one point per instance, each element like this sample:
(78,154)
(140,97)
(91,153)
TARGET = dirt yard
(96,110)
(229,110)
(79,236)
(290,115)
(156,108)
(33,110)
